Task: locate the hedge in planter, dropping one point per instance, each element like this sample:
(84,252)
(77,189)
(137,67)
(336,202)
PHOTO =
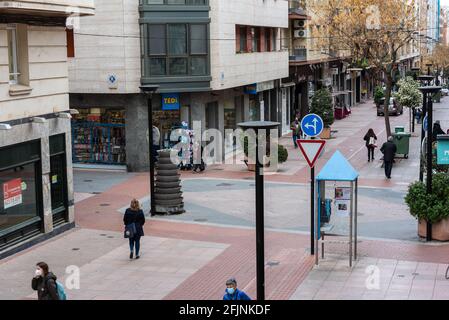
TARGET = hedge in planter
(282,151)
(434,207)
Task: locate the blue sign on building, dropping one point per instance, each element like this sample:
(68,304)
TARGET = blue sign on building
(170,101)
(312,125)
(251,89)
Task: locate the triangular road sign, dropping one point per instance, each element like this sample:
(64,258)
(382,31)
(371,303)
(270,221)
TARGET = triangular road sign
(311,150)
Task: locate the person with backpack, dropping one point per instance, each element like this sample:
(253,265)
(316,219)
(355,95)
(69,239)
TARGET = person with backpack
(296,131)
(232,293)
(44,282)
(370,139)
(134,219)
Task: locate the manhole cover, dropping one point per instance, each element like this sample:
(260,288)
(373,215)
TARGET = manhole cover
(104,205)
(224,185)
(88,180)
(273,263)
(200,220)
(75,249)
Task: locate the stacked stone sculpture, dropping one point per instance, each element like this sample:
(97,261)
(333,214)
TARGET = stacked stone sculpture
(168,194)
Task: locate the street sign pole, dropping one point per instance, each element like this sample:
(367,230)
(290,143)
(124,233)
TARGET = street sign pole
(312,211)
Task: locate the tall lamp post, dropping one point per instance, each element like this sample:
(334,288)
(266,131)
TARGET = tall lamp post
(259,126)
(148,90)
(429,91)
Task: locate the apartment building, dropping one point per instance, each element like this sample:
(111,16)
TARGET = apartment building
(36,200)
(215,61)
(313,67)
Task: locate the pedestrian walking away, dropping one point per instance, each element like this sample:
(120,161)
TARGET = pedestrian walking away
(389,150)
(134,219)
(371,139)
(232,293)
(296,131)
(44,282)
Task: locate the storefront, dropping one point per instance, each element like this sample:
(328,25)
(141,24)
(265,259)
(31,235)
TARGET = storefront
(58,179)
(98,136)
(21,192)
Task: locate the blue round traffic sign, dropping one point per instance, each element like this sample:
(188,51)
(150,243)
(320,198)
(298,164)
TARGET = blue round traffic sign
(312,125)
(425,125)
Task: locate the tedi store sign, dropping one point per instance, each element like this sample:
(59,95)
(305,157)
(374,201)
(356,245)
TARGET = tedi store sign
(170,101)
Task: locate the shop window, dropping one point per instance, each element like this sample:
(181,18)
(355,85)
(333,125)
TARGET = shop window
(98,136)
(19,196)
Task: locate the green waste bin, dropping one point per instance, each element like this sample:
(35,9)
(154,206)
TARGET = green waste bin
(399,129)
(402,142)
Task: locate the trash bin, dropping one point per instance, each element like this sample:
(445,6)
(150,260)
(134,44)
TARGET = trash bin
(402,142)
(399,129)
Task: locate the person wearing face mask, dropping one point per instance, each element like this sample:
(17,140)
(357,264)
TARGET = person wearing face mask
(232,293)
(44,282)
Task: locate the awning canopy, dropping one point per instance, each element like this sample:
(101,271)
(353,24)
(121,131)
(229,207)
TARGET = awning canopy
(337,168)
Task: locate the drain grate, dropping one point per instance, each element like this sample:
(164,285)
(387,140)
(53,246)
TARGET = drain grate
(401,276)
(88,180)
(110,237)
(103,234)
(200,220)
(273,263)
(75,249)
(96,192)
(104,205)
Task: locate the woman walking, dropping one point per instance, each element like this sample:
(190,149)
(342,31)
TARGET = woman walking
(370,138)
(134,219)
(44,282)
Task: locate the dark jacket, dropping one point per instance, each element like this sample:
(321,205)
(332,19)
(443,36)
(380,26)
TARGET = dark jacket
(238,295)
(136,217)
(437,131)
(45,287)
(389,150)
(367,137)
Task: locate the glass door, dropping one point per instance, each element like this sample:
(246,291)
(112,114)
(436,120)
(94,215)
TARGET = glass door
(58,188)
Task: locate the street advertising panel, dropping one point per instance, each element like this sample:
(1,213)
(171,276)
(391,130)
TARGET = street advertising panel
(12,193)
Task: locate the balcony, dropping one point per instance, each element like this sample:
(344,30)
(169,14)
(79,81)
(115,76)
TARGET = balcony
(298,55)
(47,8)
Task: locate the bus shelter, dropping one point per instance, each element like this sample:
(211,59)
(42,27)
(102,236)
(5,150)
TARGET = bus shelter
(337,170)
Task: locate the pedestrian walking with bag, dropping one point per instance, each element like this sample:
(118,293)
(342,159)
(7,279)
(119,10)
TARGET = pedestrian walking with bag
(389,150)
(371,139)
(44,282)
(134,219)
(296,131)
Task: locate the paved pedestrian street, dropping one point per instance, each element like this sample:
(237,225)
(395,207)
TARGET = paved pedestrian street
(190,256)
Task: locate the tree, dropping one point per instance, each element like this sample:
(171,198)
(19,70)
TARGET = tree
(375,30)
(439,58)
(409,95)
(322,106)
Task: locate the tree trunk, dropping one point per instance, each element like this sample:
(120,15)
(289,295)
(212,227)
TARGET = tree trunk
(387,103)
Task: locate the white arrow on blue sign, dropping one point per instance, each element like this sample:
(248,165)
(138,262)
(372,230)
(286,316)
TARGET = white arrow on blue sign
(425,123)
(312,125)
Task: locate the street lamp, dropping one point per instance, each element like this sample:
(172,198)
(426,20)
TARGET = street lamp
(149,90)
(260,245)
(428,92)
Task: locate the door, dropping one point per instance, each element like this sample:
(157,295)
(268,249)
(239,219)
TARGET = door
(58,182)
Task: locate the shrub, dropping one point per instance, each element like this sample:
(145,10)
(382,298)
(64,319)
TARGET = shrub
(378,95)
(282,153)
(322,106)
(432,207)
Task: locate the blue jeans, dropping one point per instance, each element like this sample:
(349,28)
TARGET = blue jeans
(134,242)
(295,137)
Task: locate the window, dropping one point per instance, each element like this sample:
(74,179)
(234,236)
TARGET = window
(70,43)
(178,2)
(178,49)
(243,38)
(255,33)
(255,39)
(13,55)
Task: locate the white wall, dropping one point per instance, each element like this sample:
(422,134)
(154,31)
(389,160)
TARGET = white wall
(115,52)
(48,75)
(246,68)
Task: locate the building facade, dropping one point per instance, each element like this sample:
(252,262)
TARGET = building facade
(219,62)
(36,198)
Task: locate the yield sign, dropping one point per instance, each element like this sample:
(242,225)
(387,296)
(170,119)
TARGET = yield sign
(311,150)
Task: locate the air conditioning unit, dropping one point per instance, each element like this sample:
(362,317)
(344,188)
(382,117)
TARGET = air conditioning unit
(300,33)
(299,23)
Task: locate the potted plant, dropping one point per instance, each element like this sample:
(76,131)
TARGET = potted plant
(433,208)
(322,106)
(282,154)
(378,95)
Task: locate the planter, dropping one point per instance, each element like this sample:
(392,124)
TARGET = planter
(252,166)
(440,230)
(326,134)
